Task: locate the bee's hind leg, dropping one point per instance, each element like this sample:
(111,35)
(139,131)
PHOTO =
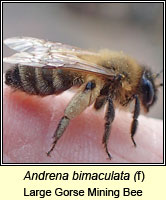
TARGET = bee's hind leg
(109,117)
(86,95)
(59,131)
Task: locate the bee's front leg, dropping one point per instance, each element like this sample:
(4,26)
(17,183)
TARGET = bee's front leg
(135,117)
(86,95)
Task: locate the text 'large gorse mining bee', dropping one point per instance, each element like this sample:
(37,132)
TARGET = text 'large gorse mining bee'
(105,77)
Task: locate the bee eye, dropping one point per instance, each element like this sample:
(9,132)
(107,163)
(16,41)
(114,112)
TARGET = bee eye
(148,91)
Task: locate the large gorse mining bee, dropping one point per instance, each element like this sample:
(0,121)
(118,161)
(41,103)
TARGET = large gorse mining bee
(105,77)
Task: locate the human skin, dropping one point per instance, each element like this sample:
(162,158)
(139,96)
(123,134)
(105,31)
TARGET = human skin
(30,121)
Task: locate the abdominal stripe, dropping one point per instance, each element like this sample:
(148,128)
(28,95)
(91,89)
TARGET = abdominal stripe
(27,75)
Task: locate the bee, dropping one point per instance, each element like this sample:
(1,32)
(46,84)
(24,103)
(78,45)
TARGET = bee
(103,78)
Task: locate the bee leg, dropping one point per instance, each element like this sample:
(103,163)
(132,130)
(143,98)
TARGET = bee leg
(109,117)
(135,117)
(59,131)
(86,95)
(100,102)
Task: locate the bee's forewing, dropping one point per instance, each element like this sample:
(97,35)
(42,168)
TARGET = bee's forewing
(34,45)
(39,53)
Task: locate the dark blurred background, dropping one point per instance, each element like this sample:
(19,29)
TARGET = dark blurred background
(135,28)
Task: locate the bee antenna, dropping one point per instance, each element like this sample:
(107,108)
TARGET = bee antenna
(158,74)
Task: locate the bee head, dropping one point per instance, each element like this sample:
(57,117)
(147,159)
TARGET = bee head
(148,90)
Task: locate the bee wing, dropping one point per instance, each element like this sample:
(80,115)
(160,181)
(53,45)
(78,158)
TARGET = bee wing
(34,45)
(39,53)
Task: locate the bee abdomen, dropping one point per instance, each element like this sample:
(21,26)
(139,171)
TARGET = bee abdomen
(44,81)
(13,79)
(30,80)
(62,80)
(41,81)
